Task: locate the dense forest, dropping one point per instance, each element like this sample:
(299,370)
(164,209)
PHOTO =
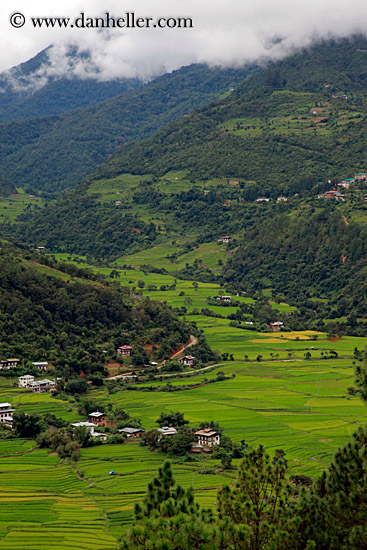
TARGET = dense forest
(71,319)
(310,253)
(56,152)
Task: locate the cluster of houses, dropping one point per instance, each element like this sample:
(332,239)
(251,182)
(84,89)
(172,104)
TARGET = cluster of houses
(223,299)
(37,386)
(6,364)
(207,439)
(344,184)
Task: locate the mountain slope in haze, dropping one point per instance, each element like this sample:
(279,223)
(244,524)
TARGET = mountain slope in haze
(26,91)
(265,131)
(60,150)
(207,169)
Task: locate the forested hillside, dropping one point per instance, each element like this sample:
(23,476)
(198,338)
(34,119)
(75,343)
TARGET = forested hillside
(310,253)
(67,314)
(59,151)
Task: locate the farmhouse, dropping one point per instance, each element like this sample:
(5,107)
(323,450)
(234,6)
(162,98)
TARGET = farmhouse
(275,327)
(9,363)
(262,199)
(208,438)
(98,418)
(41,365)
(132,433)
(282,199)
(225,239)
(361,176)
(41,386)
(188,360)
(334,195)
(6,414)
(125,351)
(25,381)
(226,299)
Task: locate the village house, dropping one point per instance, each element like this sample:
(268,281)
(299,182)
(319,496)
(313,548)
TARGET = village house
(41,365)
(333,195)
(166,431)
(9,364)
(276,326)
(262,199)
(282,199)
(187,360)
(208,438)
(98,418)
(226,299)
(361,176)
(25,381)
(132,433)
(41,386)
(90,427)
(125,351)
(40,249)
(225,239)
(6,413)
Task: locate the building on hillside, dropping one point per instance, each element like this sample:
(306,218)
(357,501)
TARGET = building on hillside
(361,176)
(98,418)
(25,381)
(188,360)
(132,433)
(282,199)
(276,326)
(125,351)
(334,195)
(166,431)
(208,438)
(41,365)
(6,364)
(90,427)
(226,239)
(6,413)
(226,299)
(262,199)
(41,386)
(40,249)
(344,184)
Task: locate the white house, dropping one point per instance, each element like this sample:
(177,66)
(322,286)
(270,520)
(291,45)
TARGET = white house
(166,431)
(25,381)
(42,385)
(187,360)
(208,438)
(6,364)
(6,413)
(125,351)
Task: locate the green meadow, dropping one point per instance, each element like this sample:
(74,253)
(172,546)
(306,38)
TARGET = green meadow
(274,396)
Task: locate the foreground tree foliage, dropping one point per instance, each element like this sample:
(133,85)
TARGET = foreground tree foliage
(261,511)
(254,515)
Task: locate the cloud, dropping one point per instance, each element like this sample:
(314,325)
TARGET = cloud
(224,33)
